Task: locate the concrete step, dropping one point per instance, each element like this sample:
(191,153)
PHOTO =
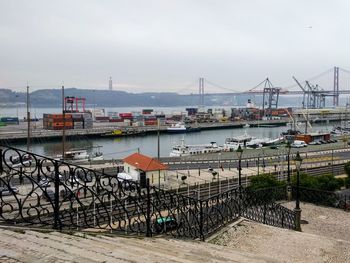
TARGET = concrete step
(33,246)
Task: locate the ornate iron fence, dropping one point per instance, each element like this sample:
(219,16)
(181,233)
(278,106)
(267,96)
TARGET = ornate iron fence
(325,198)
(41,191)
(261,206)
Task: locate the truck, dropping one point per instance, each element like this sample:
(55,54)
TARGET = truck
(298,144)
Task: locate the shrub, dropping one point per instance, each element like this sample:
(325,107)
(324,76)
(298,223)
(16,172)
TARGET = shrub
(347,168)
(264,181)
(326,182)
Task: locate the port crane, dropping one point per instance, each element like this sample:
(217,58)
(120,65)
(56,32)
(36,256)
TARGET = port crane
(315,96)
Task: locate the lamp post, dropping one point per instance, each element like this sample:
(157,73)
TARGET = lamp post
(297,209)
(288,146)
(239,152)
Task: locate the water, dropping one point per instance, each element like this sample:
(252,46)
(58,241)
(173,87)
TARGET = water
(117,148)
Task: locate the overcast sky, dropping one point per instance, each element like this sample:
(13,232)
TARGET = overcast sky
(165,45)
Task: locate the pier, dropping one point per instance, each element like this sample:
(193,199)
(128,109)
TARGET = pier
(18,133)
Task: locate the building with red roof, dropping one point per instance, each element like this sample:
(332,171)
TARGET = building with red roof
(138,165)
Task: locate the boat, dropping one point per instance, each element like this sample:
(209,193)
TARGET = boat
(255,143)
(340,130)
(82,155)
(232,143)
(187,150)
(177,128)
(193,129)
(270,142)
(125,132)
(246,125)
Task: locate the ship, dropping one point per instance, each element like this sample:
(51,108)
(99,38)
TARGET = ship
(177,128)
(187,150)
(232,143)
(82,155)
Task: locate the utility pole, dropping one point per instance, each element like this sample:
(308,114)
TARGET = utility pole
(64,125)
(28,120)
(158,144)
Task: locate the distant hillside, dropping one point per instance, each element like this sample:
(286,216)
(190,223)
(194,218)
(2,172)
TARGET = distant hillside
(107,98)
(52,97)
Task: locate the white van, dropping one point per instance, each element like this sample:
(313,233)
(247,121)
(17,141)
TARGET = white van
(298,144)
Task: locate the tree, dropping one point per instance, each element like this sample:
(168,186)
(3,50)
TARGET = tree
(326,182)
(264,181)
(347,168)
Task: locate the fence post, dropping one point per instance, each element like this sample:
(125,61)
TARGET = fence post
(201,221)
(57,224)
(1,166)
(148,212)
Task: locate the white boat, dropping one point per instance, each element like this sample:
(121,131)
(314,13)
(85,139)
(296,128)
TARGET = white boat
(177,128)
(82,155)
(256,143)
(232,143)
(340,130)
(187,150)
(246,125)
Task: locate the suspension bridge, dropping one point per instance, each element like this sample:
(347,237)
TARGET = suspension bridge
(330,83)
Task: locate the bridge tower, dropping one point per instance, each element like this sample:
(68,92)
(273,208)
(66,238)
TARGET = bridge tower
(110,83)
(201,92)
(336,87)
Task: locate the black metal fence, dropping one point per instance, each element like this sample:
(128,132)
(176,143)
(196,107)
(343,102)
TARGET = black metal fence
(41,191)
(324,198)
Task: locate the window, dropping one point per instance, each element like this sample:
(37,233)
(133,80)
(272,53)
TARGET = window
(128,169)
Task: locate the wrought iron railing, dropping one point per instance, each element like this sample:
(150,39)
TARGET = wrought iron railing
(37,190)
(262,206)
(41,191)
(321,197)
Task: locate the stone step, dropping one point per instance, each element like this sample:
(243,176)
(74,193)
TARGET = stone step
(33,246)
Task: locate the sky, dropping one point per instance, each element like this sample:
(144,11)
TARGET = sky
(165,45)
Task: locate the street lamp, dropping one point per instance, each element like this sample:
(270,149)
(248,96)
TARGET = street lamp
(297,209)
(239,152)
(288,146)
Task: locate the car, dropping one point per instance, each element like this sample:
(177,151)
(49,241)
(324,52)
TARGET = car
(6,190)
(274,147)
(48,195)
(313,143)
(322,141)
(298,144)
(164,224)
(44,182)
(67,194)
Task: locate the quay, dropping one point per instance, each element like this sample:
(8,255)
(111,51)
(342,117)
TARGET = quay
(18,133)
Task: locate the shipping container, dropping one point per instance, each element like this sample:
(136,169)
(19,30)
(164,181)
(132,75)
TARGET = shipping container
(147,111)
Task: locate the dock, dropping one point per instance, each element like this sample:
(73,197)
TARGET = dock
(18,133)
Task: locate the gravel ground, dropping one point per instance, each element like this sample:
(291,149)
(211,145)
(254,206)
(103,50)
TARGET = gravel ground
(326,237)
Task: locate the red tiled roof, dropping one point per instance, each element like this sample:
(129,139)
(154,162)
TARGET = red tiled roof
(144,162)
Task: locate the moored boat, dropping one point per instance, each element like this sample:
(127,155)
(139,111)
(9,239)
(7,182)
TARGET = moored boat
(177,128)
(187,150)
(232,143)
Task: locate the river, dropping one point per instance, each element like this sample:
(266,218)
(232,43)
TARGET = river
(116,148)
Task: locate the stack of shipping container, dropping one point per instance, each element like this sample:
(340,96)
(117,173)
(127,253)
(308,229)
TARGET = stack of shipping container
(56,121)
(71,121)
